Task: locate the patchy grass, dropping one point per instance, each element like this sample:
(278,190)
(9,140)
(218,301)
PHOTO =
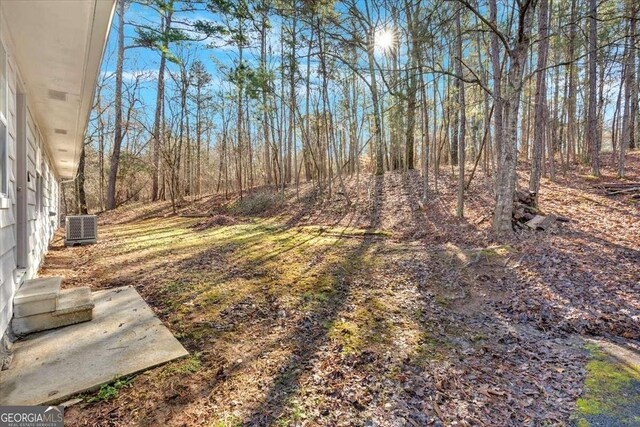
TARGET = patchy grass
(109,391)
(227,421)
(186,366)
(312,318)
(496,251)
(283,323)
(430,348)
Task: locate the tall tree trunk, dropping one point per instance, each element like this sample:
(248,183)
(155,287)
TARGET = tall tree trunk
(249,145)
(412,89)
(292,101)
(265,91)
(592,120)
(157,125)
(634,77)
(555,139)
(506,179)
(198,138)
(379,154)
(377,119)
(101,144)
(540,100)
(497,84)
(463,118)
(82,196)
(240,111)
(307,124)
(411,118)
(615,123)
(629,89)
(636,139)
(571,103)
(117,133)
(455,127)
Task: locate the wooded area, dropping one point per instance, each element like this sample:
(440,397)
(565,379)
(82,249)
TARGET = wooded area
(319,91)
(369,212)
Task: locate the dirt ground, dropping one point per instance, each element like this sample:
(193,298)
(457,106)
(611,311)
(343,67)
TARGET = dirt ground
(309,311)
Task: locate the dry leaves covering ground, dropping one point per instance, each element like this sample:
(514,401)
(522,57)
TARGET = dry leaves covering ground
(378,314)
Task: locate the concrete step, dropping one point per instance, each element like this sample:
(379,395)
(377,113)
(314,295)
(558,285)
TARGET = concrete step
(74,306)
(37,296)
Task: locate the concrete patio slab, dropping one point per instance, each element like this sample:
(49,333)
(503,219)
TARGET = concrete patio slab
(123,338)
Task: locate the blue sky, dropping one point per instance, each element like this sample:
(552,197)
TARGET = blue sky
(144,61)
(214,53)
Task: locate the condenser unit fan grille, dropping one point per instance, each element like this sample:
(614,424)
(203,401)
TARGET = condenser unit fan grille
(74,228)
(81,229)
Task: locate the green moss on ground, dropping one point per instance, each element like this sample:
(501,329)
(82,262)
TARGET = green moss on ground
(612,391)
(186,366)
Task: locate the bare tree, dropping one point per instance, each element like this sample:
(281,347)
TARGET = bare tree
(540,125)
(630,89)
(592,134)
(117,137)
(463,118)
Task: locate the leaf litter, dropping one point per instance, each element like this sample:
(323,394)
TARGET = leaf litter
(387,312)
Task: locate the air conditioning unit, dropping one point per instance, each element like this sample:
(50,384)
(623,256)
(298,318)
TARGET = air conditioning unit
(81,230)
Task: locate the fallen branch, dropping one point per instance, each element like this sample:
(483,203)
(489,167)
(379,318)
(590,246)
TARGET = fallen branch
(623,191)
(613,185)
(195,215)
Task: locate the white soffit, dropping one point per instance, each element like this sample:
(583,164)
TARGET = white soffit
(58,47)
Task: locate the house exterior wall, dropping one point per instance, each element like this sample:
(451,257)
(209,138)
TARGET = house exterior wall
(42,191)
(8,273)
(42,210)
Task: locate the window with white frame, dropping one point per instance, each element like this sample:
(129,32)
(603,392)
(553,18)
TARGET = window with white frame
(4,149)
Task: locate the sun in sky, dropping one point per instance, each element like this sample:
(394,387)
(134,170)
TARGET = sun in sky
(385,39)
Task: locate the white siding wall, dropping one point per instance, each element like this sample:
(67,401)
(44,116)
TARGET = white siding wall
(40,224)
(8,214)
